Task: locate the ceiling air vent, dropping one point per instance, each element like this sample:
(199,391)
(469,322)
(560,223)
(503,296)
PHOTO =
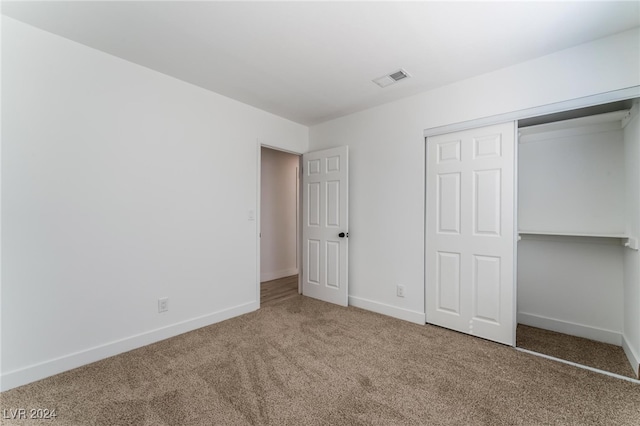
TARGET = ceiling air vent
(394,77)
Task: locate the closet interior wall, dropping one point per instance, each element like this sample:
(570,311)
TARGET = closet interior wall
(578,221)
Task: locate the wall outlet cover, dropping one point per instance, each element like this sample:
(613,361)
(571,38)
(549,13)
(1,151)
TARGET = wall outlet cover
(163,304)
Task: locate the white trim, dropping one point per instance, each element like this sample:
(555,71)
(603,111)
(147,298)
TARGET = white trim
(277,148)
(258,218)
(516,236)
(274,275)
(1,210)
(391,311)
(299,224)
(51,367)
(632,356)
(584,367)
(587,101)
(573,329)
(588,125)
(632,113)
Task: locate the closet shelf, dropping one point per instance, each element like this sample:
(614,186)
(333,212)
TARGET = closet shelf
(627,241)
(572,234)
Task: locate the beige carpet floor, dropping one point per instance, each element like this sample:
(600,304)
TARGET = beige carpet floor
(306,362)
(594,354)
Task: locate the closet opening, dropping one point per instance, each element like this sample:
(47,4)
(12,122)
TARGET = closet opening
(532,227)
(578,215)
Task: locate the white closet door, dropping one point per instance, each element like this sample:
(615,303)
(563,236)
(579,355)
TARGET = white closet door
(470,285)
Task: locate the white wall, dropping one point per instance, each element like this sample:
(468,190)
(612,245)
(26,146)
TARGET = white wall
(632,257)
(387,157)
(572,180)
(120,185)
(278,214)
(572,285)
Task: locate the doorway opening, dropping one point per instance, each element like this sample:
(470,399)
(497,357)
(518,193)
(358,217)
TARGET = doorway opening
(279,225)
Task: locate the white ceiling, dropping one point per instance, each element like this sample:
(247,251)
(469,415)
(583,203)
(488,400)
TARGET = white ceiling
(314,61)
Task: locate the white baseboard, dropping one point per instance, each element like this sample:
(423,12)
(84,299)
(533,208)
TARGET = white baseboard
(632,355)
(573,329)
(392,311)
(274,275)
(51,367)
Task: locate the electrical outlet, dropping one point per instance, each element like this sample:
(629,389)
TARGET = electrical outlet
(163,304)
(400,290)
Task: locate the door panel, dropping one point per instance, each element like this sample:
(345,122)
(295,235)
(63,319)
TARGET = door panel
(312,261)
(470,231)
(448,282)
(326,216)
(333,204)
(449,203)
(333,264)
(486,288)
(313,204)
(487,202)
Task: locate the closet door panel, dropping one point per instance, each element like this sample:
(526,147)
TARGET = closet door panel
(470,232)
(448,203)
(486,288)
(487,201)
(448,282)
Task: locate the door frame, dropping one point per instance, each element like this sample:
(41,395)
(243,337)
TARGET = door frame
(258,216)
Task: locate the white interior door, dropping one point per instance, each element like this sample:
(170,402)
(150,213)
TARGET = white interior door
(470,232)
(325,226)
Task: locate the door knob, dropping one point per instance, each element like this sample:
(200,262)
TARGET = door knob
(342,235)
